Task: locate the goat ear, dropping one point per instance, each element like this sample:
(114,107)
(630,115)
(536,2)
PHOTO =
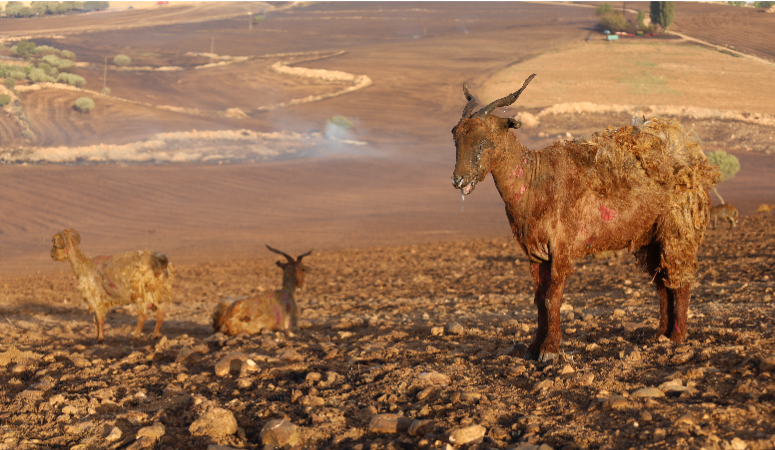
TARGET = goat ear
(73,235)
(513,123)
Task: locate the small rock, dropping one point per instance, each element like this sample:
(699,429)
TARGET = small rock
(244,383)
(313,377)
(567,370)
(592,347)
(142,443)
(290,355)
(311,400)
(389,423)
(467,435)
(280,433)
(659,434)
(217,422)
(134,417)
(617,402)
(738,444)
(455,328)
(541,385)
(154,432)
(114,435)
(645,416)
(618,313)
(648,392)
(767,364)
(420,427)
(586,379)
(516,370)
(437,331)
(434,378)
(230,363)
(422,395)
(687,418)
(470,396)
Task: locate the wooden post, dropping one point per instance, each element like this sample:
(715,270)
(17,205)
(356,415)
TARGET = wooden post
(105,76)
(212,48)
(250,20)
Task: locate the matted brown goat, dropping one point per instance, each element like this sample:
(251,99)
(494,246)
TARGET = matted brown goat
(142,278)
(642,187)
(276,310)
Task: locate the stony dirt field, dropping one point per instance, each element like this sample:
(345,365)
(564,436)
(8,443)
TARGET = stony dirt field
(404,347)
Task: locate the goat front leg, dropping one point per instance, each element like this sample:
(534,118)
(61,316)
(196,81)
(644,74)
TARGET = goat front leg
(679,313)
(99,322)
(141,316)
(550,283)
(159,319)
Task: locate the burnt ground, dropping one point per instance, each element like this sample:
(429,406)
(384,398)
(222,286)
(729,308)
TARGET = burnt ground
(370,336)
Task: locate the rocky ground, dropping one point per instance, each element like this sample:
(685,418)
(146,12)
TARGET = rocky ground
(404,347)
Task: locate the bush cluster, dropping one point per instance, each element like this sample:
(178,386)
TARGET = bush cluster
(47,62)
(4,99)
(84,104)
(71,79)
(18,9)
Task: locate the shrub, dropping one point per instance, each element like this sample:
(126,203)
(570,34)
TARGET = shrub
(54,60)
(122,60)
(71,79)
(84,104)
(5,99)
(613,21)
(106,90)
(662,13)
(46,49)
(38,75)
(17,73)
(258,18)
(95,6)
(29,135)
(604,8)
(341,121)
(10,83)
(68,54)
(51,71)
(24,48)
(642,21)
(65,64)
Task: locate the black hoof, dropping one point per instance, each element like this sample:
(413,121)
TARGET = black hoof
(530,356)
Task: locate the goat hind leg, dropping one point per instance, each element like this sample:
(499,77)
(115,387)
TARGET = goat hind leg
(542,276)
(99,322)
(159,319)
(141,316)
(679,313)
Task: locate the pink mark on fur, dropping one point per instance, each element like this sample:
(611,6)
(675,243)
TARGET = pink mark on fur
(607,214)
(277,315)
(590,240)
(522,189)
(677,328)
(518,171)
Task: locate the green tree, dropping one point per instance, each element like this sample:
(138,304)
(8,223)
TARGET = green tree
(614,21)
(662,13)
(68,54)
(727,164)
(95,6)
(766,4)
(38,75)
(84,104)
(24,48)
(4,99)
(642,21)
(122,60)
(603,8)
(10,83)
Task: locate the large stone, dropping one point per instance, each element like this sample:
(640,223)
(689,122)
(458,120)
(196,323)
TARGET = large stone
(420,427)
(280,433)
(455,328)
(216,422)
(648,392)
(231,363)
(389,423)
(434,378)
(155,431)
(467,435)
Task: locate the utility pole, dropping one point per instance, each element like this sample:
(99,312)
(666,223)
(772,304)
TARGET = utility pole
(105,76)
(250,20)
(212,48)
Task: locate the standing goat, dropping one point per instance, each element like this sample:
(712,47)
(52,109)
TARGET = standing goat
(724,212)
(642,187)
(143,278)
(270,311)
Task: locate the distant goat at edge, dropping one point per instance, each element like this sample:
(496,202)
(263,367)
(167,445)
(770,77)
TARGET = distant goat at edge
(642,187)
(276,310)
(143,278)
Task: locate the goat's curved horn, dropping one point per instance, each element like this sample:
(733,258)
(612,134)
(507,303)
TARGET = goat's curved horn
(471,102)
(505,101)
(298,258)
(287,256)
(74,234)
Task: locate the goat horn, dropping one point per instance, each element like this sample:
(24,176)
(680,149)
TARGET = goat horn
(471,102)
(74,234)
(287,256)
(298,258)
(505,101)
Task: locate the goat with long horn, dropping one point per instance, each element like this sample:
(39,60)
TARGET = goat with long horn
(276,310)
(642,187)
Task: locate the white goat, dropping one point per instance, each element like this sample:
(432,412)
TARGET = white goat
(143,278)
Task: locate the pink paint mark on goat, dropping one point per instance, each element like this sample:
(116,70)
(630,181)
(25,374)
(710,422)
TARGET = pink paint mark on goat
(591,240)
(520,172)
(677,328)
(607,214)
(522,189)
(277,315)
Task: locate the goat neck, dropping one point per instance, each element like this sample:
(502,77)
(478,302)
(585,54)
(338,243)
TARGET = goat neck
(82,265)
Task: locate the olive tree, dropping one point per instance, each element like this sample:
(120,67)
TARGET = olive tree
(84,104)
(122,60)
(727,164)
